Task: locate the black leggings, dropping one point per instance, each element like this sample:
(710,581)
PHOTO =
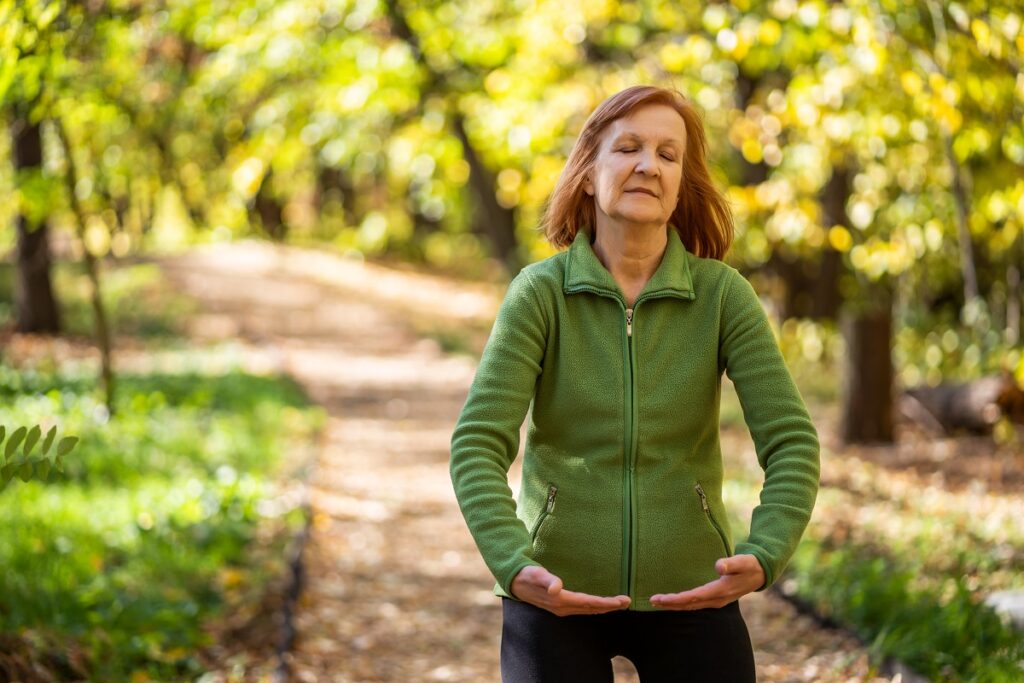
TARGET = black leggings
(668,645)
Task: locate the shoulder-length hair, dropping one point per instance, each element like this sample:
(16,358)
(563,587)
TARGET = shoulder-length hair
(702,217)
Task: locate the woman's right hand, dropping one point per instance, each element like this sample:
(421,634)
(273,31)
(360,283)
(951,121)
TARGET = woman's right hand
(540,587)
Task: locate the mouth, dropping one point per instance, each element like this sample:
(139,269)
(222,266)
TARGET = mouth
(647,192)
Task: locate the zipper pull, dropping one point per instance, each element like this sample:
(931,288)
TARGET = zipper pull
(629,322)
(703,499)
(551,496)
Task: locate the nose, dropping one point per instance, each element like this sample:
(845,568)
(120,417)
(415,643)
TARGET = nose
(648,163)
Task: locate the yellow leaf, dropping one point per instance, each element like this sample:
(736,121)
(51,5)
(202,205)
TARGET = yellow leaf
(174,654)
(840,239)
(769,32)
(982,34)
(751,150)
(231,577)
(911,82)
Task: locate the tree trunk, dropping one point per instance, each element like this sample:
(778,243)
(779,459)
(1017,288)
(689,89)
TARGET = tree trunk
(825,290)
(867,404)
(36,308)
(963,231)
(811,285)
(269,211)
(490,219)
(1013,291)
(92,269)
(336,182)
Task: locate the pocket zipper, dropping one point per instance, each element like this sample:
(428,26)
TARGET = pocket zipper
(707,510)
(552,490)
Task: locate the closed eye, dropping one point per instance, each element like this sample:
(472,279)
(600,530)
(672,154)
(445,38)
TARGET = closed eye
(668,157)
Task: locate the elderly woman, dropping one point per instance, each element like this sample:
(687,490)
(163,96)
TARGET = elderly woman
(619,542)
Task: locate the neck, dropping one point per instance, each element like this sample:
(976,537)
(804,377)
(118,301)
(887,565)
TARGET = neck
(631,255)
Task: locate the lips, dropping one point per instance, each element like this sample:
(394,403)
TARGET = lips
(643,191)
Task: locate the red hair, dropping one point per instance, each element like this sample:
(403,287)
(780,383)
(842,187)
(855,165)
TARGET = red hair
(702,217)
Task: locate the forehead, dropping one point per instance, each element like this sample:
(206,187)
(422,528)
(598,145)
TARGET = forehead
(656,122)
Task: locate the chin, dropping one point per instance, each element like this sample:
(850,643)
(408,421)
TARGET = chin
(642,217)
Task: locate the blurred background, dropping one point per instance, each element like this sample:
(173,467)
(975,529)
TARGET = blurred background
(250,251)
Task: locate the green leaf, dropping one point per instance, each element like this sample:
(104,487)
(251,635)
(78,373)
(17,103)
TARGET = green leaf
(48,441)
(3,433)
(6,472)
(65,445)
(31,440)
(14,441)
(43,469)
(25,472)
(48,15)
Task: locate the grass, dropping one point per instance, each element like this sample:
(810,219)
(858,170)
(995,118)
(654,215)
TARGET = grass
(158,517)
(164,521)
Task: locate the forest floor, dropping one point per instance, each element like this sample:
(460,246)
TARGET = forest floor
(393,588)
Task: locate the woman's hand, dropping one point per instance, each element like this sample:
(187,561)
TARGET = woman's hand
(740,574)
(540,587)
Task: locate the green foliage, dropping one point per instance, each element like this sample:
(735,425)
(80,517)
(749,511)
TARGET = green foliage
(162,521)
(21,461)
(952,638)
(939,346)
(137,300)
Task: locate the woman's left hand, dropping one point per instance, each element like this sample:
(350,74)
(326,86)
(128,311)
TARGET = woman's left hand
(740,574)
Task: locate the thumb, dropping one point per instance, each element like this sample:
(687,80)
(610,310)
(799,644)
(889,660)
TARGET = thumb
(554,585)
(723,566)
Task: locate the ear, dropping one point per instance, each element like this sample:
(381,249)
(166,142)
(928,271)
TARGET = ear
(588,186)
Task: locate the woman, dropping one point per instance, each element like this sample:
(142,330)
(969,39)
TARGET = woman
(619,542)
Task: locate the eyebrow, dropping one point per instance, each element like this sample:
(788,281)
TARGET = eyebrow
(634,136)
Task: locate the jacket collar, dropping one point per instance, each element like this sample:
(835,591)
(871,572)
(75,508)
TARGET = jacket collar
(585,272)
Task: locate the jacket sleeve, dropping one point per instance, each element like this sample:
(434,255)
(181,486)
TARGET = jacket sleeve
(486,437)
(785,439)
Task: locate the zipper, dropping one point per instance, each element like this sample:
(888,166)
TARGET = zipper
(707,510)
(552,491)
(629,464)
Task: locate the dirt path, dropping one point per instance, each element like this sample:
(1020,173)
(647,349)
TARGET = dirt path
(394,589)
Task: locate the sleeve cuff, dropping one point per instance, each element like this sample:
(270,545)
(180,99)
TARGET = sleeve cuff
(506,583)
(762,557)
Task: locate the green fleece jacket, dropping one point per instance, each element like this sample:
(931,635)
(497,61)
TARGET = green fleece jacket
(621,489)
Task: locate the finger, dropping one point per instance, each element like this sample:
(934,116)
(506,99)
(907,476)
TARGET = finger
(577,599)
(554,585)
(692,599)
(673,601)
(690,606)
(590,609)
(709,591)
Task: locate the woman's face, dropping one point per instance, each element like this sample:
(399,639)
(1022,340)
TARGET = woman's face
(642,151)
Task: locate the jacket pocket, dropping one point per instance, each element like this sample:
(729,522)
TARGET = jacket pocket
(548,507)
(711,517)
